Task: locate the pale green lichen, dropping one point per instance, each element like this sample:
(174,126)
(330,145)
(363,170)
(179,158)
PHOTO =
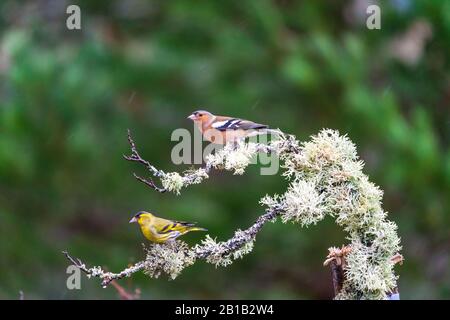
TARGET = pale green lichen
(218,256)
(198,176)
(233,157)
(246,248)
(304,204)
(95,271)
(169,258)
(173,182)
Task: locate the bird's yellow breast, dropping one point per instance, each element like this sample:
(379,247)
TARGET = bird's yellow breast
(150,235)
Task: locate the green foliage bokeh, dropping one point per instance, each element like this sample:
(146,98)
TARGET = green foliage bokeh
(68,97)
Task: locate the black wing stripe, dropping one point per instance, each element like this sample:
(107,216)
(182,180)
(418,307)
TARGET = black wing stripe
(164,229)
(229,124)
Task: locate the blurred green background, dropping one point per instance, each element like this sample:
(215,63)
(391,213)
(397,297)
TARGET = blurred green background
(67,98)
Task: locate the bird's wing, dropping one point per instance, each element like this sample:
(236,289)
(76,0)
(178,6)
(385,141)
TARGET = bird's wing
(236,124)
(166,226)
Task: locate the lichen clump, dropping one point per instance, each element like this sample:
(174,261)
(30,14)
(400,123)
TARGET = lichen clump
(233,157)
(169,258)
(172,182)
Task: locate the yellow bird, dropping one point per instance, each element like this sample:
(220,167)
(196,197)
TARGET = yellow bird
(161,230)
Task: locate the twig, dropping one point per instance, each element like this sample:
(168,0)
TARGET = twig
(136,157)
(106,277)
(189,177)
(150,183)
(124,294)
(398,258)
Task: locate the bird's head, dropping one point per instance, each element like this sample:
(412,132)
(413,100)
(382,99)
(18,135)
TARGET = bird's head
(141,217)
(200,116)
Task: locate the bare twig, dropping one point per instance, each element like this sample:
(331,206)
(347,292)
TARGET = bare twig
(124,294)
(150,183)
(398,258)
(136,157)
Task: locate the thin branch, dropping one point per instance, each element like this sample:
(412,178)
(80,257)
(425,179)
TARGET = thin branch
(98,272)
(188,177)
(136,157)
(397,259)
(236,242)
(124,294)
(150,183)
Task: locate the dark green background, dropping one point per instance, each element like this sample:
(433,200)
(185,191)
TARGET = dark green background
(67,98)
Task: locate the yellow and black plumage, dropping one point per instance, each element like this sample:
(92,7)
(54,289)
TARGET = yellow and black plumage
(161,230)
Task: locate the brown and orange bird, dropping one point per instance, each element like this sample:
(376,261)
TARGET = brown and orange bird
(222,129)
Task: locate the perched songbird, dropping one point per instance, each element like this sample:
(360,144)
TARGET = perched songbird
(221,130)
(161,230)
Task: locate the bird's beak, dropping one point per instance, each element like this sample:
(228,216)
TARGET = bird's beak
(133,220)
(192,117)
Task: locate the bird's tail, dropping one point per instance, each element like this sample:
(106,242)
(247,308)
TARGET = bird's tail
(195,229)
(277,132)
(261,131)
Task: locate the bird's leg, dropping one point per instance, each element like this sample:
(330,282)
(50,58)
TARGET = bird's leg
(235,144)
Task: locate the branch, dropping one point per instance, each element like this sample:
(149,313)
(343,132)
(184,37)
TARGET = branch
(98,272)
(124,294)
(240,239)
(337,263)
(173,181)
(136,157)
(150,183)
(206,251)
(325,178)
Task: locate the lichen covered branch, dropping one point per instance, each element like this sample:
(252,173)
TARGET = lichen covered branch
(232,157)
(171,258)
(325,179)
(336,259)
(105,276)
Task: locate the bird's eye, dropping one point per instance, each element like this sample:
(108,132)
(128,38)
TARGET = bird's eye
(200,115)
